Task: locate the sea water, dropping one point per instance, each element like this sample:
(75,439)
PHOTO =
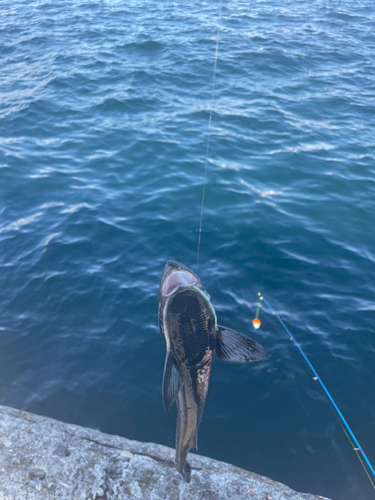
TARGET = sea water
(104,121)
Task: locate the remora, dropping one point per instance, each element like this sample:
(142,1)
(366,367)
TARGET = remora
(189,325)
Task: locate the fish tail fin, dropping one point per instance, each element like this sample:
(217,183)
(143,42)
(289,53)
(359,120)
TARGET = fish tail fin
(185,472)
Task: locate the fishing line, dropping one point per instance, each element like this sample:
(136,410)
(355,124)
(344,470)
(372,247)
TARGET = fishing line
(347,430)
(209,132)
(256,320)
(264,266)
(352,444)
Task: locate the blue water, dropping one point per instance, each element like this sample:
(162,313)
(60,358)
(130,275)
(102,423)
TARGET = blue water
(104,109)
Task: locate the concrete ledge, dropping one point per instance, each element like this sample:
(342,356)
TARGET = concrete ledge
(44,459)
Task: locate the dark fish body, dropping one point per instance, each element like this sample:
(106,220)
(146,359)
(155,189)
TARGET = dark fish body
(189,325)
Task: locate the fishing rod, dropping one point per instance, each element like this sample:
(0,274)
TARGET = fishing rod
(347,430)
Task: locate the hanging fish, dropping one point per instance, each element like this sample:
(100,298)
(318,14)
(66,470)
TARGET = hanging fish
(189,325)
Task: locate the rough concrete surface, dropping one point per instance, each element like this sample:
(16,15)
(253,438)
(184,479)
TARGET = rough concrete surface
(44,459)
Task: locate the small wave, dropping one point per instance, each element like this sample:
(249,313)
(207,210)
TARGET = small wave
(75,208)
(46,241)
(149,46)
(52,204)
(133,105)
(342,16)
(370,307)
(23,221)
(261,193)
(298,256)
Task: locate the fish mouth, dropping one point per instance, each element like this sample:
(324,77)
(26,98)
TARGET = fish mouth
(176,275)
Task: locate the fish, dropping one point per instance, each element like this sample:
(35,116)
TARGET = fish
(189,326)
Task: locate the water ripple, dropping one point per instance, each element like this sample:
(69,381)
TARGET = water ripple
(103,143)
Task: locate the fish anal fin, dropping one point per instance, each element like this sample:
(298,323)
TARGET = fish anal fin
(233,347)
(172,381)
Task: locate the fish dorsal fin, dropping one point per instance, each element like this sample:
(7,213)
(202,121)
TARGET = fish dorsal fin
(233,347)
(172,381)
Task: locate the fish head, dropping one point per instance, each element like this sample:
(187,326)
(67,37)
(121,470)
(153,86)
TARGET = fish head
(176,276)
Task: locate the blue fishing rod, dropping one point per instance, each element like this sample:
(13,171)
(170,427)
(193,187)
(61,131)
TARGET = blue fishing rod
(348,432)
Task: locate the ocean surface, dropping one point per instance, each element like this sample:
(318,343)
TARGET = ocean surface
(104,119)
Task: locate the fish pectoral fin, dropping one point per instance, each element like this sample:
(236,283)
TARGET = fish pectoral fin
(233,347)
(172,381)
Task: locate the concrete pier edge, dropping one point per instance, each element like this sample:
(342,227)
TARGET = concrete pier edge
(45,459)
